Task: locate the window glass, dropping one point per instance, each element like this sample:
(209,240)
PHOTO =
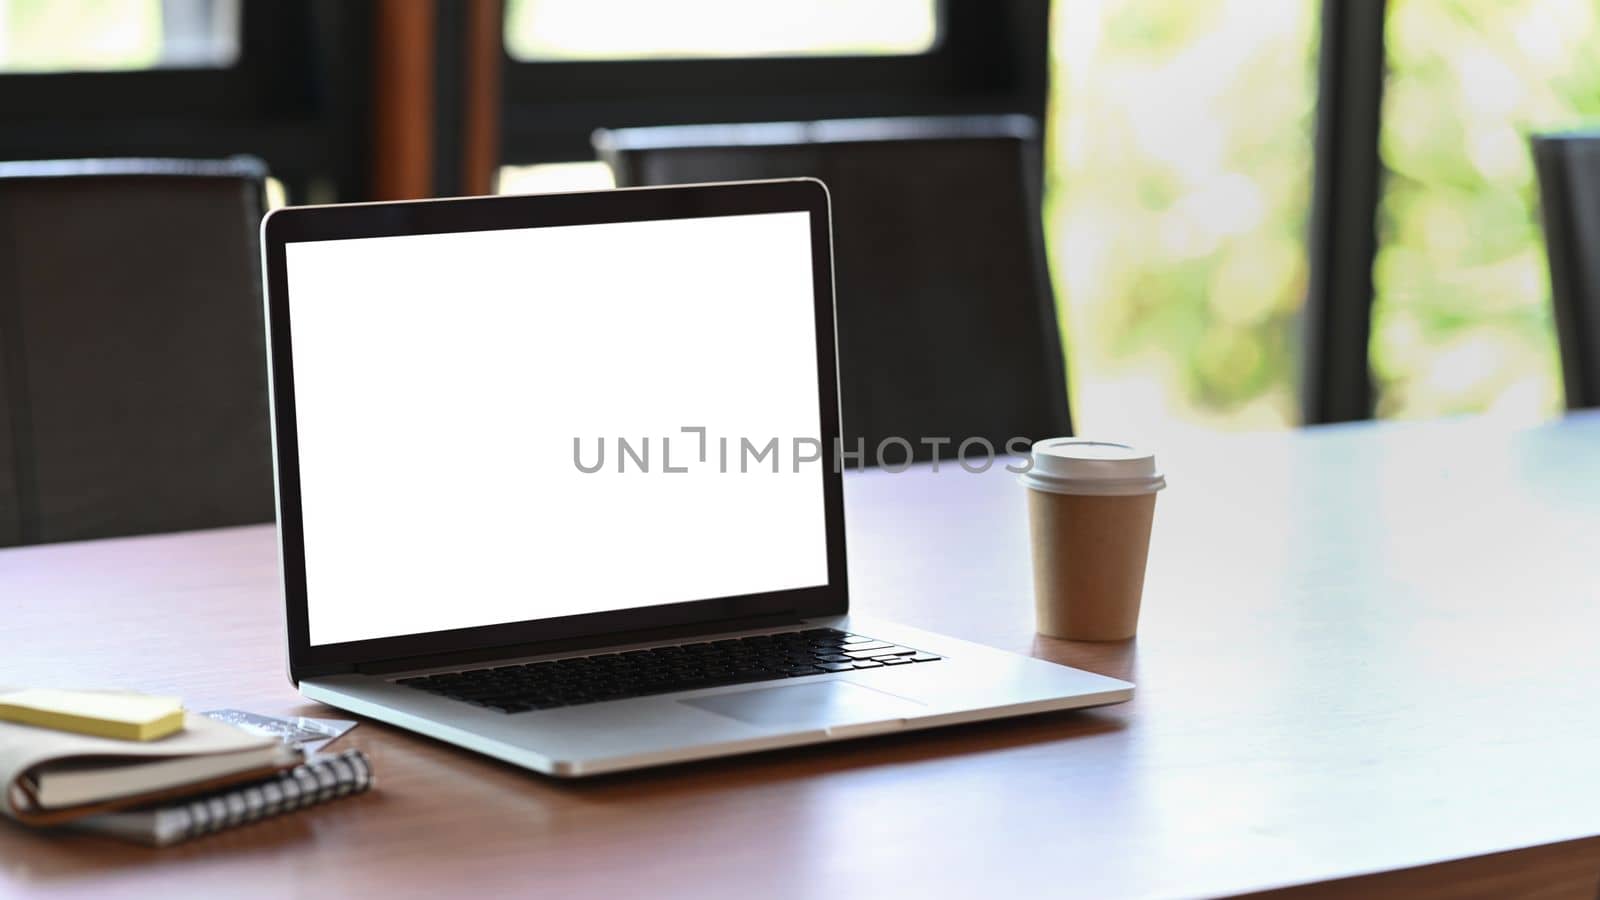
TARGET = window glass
(277,194)
(551,30)
(552,178)
(1461,318)
(1179,173)
(117,35)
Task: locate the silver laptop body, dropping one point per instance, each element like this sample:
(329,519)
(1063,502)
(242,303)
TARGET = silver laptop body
(479,544)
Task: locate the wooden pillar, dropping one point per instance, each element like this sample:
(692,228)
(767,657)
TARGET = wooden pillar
(403,107)
(482,70)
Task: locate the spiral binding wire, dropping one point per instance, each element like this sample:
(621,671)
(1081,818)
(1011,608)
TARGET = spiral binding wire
(305,785)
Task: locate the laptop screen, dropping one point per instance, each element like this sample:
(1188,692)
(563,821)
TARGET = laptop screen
(509,425)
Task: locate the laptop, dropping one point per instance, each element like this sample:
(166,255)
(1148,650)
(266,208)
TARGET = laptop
(558,481)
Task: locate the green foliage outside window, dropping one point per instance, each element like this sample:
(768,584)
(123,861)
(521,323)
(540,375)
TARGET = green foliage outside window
(1179,175)
(1462,318)
(1179,184)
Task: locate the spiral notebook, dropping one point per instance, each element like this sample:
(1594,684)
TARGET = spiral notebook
(317,781)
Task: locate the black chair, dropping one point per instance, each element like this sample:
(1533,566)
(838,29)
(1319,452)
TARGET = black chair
(132,344)
(946,322)
(1569,191)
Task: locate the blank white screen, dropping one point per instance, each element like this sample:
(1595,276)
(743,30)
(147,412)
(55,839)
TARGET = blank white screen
(440,381)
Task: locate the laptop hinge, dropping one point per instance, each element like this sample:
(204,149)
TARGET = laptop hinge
(590,642)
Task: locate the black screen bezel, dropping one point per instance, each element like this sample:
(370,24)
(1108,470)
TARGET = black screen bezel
(365,220)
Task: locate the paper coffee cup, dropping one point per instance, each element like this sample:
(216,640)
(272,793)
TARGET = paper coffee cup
(1090,508)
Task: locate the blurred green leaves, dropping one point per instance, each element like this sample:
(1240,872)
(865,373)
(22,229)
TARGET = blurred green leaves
(1461,321)
(1178,190)
(1179,183)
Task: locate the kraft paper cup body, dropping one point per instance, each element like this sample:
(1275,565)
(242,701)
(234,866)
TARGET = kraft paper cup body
(1091,505)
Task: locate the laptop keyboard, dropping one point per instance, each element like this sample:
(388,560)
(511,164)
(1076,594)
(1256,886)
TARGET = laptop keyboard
(663,670)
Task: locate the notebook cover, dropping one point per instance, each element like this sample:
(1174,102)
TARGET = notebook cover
(38,817)
(24,747)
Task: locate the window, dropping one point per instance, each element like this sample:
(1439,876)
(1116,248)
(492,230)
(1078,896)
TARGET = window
(555,178)
(1461,316)
(1179,172)
(587,29)
(117,35)
(572,68)
(285,80)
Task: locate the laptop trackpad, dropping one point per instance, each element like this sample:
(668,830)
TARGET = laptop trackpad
(821,704)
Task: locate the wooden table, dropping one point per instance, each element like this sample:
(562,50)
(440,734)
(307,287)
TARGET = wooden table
(1365,649)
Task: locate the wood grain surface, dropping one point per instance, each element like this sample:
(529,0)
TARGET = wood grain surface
(1365,649)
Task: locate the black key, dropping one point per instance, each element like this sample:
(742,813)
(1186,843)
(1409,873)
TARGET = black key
(797,671)
(835,666)
(833,658)
(478,693)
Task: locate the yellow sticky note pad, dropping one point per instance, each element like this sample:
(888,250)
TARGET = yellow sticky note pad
(112,714)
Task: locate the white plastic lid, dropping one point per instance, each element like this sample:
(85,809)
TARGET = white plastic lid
(1078,466)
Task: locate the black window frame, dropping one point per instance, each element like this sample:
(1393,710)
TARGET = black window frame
(990,56)
(298,96)
(295,97)
(1336,367)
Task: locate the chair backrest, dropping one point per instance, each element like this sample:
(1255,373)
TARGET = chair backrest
(132,344)
(946,323)
(1569,190)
